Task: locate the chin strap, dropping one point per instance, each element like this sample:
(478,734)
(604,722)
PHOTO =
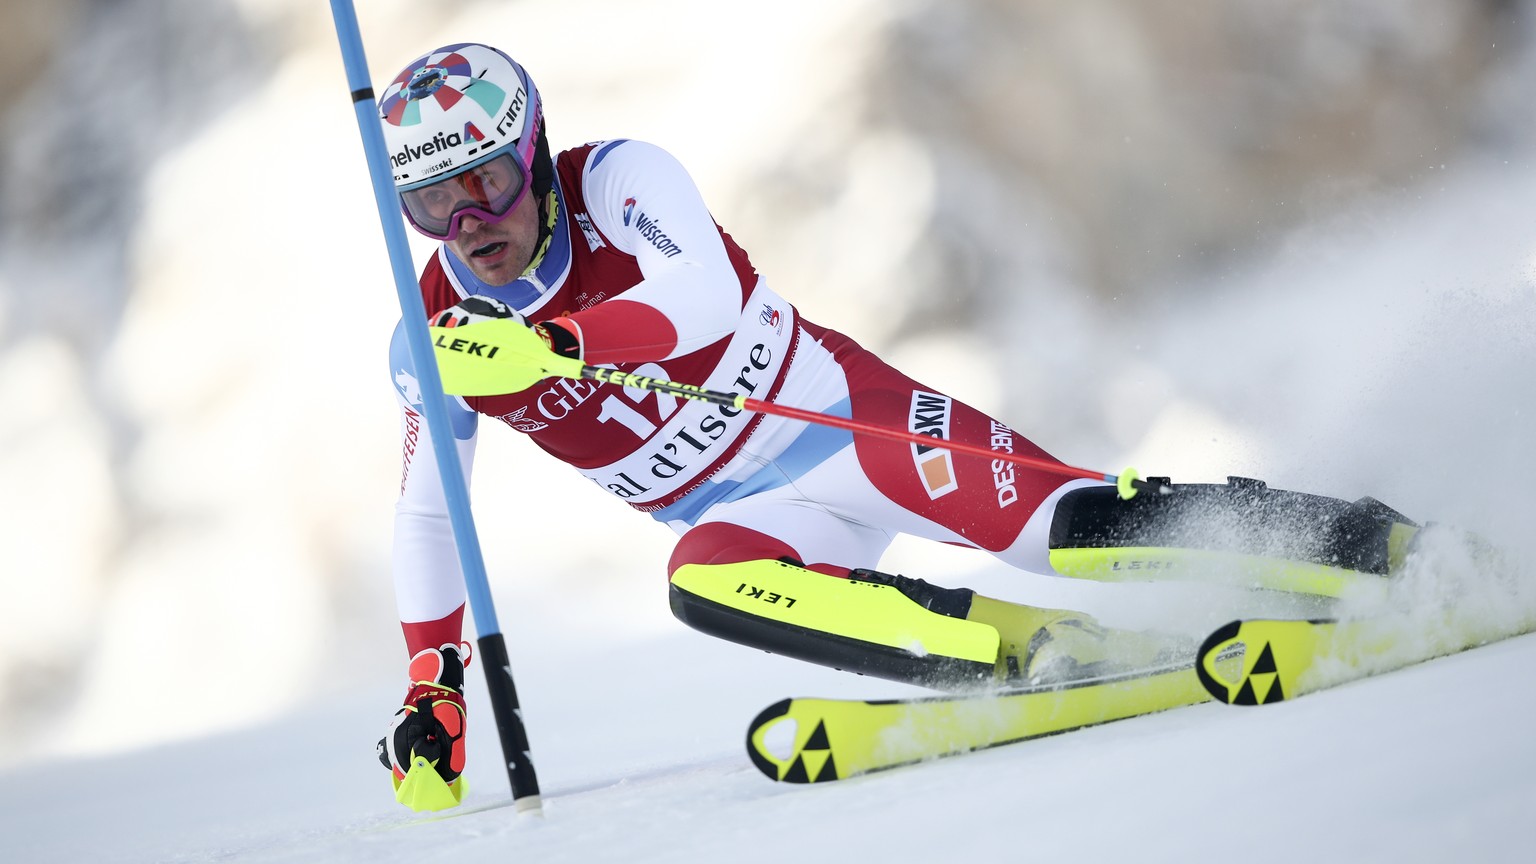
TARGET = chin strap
(550,208)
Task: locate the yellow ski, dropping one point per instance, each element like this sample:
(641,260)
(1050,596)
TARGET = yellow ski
(1260,661)
(817,740)
(1255,572)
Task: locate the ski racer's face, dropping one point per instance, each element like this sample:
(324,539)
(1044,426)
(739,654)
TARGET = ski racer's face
(499,252)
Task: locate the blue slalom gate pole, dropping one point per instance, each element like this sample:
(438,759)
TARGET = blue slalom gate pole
(492,645)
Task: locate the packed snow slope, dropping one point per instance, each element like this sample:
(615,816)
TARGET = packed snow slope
(640,753)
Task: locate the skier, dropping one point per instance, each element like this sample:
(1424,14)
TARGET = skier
(609,253)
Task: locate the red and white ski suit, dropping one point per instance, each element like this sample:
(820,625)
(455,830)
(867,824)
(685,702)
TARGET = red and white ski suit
(637,267)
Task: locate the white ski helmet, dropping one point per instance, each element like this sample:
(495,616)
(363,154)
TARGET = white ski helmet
(465,131)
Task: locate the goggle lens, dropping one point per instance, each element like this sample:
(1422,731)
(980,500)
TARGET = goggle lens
(488,190)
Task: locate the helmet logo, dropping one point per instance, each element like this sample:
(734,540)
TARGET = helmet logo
(629,209)
(439,143)
(456,104)
(425,81)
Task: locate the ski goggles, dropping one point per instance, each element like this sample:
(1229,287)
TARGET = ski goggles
(486,190)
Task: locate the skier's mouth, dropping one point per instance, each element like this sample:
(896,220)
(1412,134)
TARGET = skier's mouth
(489,250)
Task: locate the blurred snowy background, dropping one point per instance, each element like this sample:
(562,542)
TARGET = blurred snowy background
(1287,240)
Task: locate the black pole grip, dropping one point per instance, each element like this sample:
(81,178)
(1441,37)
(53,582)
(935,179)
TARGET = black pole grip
(509,721)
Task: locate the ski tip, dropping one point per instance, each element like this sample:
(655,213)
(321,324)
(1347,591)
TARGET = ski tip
(757,747)
(788,750)
(1219,660)
(1237,664)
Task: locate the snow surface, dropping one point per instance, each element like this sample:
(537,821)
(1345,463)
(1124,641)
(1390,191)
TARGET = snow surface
(1429,764)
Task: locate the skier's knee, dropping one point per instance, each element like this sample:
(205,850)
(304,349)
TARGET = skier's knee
(884,626)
